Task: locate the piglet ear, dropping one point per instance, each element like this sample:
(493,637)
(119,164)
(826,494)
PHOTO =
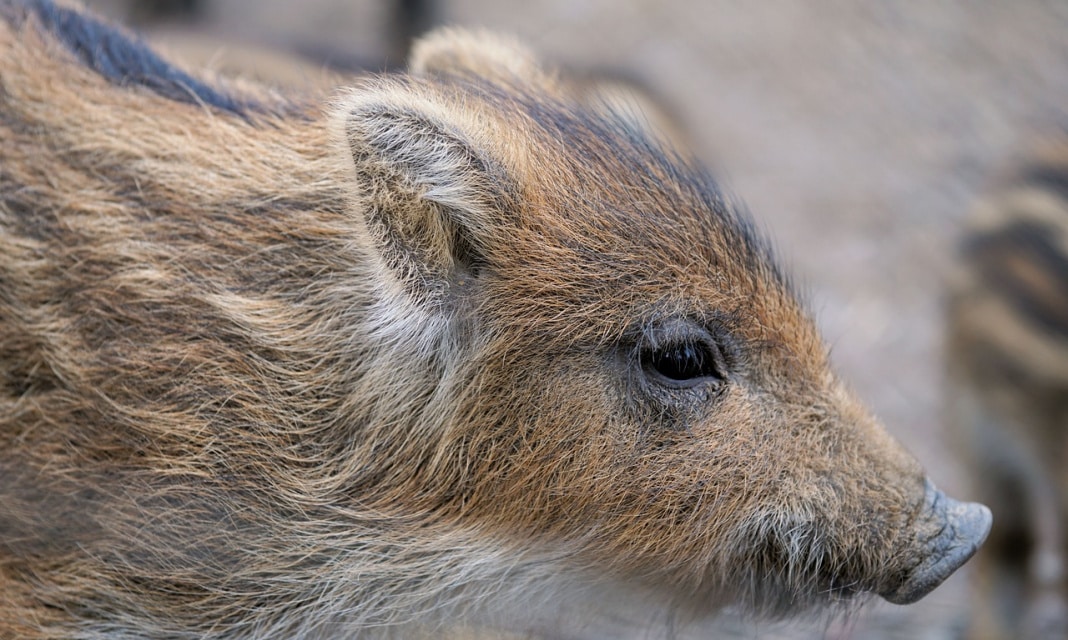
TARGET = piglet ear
(462,53)
(431,195)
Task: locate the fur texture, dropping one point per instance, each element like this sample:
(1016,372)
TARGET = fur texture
(430,348)
(1008,364)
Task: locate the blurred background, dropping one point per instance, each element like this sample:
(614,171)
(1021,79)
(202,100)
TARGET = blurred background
(860,133)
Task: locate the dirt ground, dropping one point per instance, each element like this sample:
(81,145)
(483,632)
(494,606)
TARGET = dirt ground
(857,131)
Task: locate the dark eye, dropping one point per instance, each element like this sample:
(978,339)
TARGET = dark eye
(683,364)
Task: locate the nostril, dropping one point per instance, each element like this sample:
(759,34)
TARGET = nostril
(949,533)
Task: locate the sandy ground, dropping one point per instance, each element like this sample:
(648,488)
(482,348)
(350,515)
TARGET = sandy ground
(857,131)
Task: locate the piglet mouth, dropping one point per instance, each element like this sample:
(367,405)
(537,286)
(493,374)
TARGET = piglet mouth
(948,533)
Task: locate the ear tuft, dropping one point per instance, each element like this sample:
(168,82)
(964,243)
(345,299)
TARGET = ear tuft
(480,54)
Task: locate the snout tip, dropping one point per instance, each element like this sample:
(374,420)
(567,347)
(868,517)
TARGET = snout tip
(957,530)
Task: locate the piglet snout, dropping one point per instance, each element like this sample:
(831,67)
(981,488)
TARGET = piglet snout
(948,533)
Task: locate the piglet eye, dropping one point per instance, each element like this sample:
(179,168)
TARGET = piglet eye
(683,364)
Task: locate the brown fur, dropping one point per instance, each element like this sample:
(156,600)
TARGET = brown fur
(1008,349)
(372,360)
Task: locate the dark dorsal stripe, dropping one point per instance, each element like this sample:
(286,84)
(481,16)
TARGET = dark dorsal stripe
(1051,178)
(1024,264)
(126,60)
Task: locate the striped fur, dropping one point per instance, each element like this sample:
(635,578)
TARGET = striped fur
(1008,349)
